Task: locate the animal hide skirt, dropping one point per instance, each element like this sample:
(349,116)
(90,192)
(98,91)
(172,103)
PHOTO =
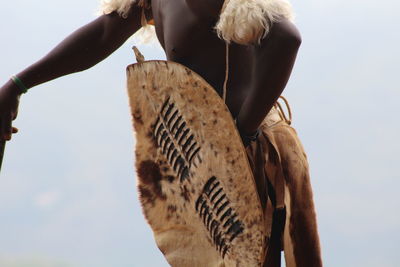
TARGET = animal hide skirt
(281,171)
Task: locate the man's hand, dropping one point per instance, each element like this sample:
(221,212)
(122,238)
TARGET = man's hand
(9,101)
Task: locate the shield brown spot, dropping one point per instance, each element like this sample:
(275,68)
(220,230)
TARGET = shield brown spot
(145,195)
(149,173)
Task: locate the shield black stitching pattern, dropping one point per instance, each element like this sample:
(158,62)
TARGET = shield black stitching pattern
(175,140)
(219,218)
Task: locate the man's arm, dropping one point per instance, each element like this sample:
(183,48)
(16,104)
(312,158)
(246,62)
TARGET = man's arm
(81,50)
(273,63)
(84,48)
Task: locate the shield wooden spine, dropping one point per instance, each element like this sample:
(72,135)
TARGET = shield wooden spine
(2,149)
(195,184)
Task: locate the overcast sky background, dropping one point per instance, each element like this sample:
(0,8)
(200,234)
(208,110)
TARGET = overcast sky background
(68,191)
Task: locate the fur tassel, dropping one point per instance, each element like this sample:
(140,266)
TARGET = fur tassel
(248,21)
(122,7)
(147,33)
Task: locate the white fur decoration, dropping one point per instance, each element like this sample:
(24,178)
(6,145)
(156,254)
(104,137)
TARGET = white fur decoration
(248,21)
(145,35)
(122,7)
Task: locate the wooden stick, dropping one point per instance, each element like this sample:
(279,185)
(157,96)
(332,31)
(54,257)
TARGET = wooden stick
(2,147)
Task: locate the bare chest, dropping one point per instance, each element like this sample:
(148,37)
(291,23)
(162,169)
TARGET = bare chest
(185,29)
(183,23)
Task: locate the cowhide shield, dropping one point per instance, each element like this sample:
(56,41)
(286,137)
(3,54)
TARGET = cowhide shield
(195,184)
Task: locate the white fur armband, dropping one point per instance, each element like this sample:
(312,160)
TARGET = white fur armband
(147,33)
(122,7)
(248,21)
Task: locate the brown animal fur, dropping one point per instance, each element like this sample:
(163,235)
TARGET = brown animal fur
(287,165)
(301,241)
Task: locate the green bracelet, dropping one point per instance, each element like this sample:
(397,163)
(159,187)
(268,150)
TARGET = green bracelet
(20,84)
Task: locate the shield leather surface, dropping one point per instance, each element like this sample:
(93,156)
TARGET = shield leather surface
(195,183)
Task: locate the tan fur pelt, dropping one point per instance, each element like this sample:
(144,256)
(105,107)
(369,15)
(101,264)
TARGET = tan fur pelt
(248,21)
(196,187)
(279,153)
(300,240)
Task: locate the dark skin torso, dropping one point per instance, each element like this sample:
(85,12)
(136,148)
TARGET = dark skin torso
(185,30)
(257,73)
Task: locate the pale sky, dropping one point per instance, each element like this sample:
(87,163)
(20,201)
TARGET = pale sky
(68,191)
